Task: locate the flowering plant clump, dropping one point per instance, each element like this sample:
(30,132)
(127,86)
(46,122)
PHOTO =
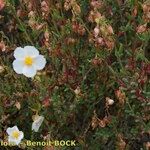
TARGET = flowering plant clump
(75,70)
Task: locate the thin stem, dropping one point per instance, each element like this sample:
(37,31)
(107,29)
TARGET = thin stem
(22,26)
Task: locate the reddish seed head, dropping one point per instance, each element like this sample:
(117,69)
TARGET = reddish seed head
(141,28)
(2,4)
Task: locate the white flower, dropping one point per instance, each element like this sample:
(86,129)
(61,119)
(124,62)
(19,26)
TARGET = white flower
(37,123)
(15,136)
(28,61)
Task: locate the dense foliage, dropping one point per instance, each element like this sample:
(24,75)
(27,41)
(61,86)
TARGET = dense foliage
(95,88)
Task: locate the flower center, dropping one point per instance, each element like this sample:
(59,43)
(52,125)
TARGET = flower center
(15,134)
(28,61)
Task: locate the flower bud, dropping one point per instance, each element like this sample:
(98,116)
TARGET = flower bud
(96,31)
(109,101)
(1,69)
(2,4)
(110,29)
(77,91)
(141,28)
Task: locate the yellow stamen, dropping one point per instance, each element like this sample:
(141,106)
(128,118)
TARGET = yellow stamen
(15,134)
(28,61)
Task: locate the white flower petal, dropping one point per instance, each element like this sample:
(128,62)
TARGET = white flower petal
(37,123)
(29,71)
(31,51)
(11,140)
(18,66)
(39,62)
(35,127)
(19,53)
(21,136)
(18,141)
(10,130)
